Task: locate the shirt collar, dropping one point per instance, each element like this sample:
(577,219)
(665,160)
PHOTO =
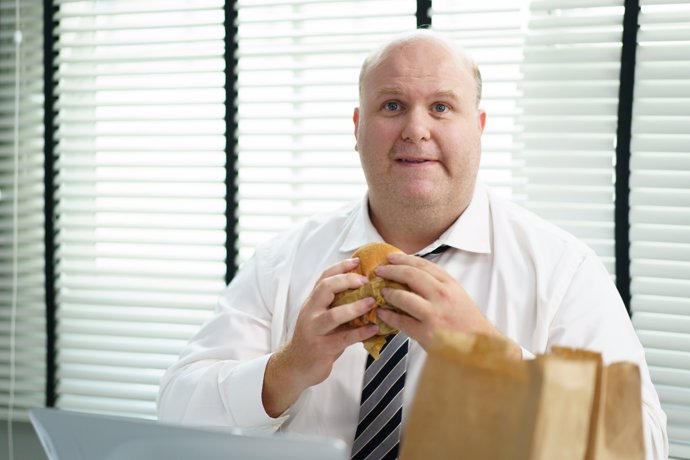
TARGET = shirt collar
(362,231)
(471,232)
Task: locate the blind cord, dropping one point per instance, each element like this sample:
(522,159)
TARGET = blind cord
(15,240)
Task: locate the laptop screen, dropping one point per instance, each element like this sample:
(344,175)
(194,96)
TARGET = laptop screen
(68,435)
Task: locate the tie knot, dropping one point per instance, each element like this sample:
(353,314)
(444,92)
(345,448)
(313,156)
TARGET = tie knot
(434,252)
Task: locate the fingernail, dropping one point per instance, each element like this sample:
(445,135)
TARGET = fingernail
(363,279)
(394,256)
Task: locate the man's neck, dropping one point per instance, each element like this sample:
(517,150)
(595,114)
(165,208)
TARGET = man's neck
(412,230)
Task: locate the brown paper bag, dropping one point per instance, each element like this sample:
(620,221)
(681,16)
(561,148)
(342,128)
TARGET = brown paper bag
(616,431)
(565,404)
(446,405)
(474,402)
(618,434)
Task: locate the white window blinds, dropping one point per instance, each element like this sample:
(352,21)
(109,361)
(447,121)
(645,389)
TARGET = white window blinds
(22,293)
(569,115)
(298,67)
(660,208)
(141,194)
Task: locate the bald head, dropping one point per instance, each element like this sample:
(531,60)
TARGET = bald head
(425,35)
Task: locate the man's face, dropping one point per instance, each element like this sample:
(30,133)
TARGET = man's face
(418,128)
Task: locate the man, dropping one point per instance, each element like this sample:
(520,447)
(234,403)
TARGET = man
(275,356)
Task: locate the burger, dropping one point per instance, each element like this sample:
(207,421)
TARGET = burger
(370,256)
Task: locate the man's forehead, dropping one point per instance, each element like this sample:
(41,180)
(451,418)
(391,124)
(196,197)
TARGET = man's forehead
(425,64)
(394,90)
(422,56)
(418,47)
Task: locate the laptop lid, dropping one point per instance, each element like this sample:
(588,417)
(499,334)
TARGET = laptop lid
(68,435)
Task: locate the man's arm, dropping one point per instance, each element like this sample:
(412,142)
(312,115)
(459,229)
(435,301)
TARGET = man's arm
(319,339)
(229,375)
(218,378)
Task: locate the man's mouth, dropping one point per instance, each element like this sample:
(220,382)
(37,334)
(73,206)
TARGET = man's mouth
(413,160)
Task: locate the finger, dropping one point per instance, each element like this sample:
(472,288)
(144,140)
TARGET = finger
(326,289)
(428,266)
(410,326)
(343,266)
(409,302)
(346,337)
(331,319)
(342,282)
(418,279)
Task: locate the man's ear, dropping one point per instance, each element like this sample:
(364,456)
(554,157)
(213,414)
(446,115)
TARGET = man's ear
(355,119)
(482,119)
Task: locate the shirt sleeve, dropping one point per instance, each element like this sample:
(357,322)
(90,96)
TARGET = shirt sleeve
(592,315)
(218,379)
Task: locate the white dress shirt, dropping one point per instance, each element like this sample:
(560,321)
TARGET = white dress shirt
(537,284)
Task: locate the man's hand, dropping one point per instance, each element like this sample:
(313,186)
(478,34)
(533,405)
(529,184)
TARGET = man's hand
(436,301)
(320,337)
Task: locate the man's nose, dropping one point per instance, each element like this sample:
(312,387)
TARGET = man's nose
(416,126)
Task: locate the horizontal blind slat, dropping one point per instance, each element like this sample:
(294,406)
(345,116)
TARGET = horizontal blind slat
(141,192)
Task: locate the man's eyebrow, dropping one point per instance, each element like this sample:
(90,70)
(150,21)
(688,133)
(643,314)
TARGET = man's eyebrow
(448,94)
(396,91)
(388,91)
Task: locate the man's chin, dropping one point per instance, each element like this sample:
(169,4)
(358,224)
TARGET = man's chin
(419,200)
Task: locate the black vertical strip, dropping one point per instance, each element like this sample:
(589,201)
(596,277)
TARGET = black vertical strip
(49,198)
(625,108)
(423,13)
(231,191)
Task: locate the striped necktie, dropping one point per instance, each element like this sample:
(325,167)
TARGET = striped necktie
(380,411)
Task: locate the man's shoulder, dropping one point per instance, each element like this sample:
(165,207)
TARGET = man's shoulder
(317,229)
(511,217)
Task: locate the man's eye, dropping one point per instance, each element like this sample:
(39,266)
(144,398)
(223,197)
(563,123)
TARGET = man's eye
(392,106)
(441,108)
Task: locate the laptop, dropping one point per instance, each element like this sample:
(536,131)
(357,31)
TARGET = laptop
(69,435)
